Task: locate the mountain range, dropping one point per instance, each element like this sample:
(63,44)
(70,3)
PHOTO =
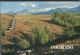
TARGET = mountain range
(50,11)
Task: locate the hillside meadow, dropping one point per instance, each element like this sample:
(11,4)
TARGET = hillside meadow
(56,28)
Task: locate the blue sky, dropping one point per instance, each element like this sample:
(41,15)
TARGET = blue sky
(40,6)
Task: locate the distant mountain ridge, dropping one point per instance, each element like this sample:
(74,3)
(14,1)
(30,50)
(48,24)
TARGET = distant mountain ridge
(51,11)
(75,9)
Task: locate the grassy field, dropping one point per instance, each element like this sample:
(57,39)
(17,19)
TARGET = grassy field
(41,30)
(25,23)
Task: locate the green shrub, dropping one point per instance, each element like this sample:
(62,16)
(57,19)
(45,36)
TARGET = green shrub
(41,35)
(24,44)
(70,32)
(54,16)
(66,20)
(2,32)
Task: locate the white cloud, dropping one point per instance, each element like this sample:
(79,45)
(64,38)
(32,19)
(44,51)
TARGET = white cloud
(33,5)
(25,4)
(50,5)
(58,4)
(40,10)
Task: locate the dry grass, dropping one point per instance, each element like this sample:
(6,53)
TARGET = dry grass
(27,23)
(30,21)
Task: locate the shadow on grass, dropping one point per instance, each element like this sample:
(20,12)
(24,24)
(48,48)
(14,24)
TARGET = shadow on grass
(77,29)
(53,22)
(61,39)
(58,40)
(10,49)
